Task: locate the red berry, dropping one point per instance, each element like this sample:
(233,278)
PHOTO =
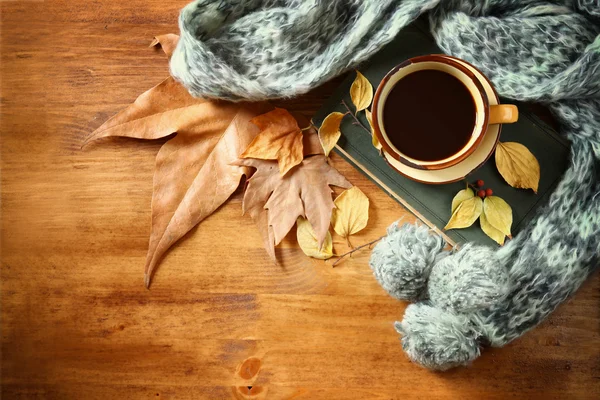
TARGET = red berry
(481,193)
(480,183)
(489,192)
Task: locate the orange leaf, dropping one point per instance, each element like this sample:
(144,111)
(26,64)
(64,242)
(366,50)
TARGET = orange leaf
(280,139)
(193,174)
(303,192)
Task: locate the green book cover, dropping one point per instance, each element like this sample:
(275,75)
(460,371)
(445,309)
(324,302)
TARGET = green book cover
(432,202)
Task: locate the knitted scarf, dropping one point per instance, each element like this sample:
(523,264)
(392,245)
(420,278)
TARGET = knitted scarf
(532,50)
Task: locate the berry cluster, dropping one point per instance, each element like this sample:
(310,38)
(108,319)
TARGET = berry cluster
(483,192)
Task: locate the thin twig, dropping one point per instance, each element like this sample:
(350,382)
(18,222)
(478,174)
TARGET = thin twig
(355,118)
(355,249)
(349,243)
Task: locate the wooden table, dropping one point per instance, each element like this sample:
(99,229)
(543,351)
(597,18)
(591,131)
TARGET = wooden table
(220,320)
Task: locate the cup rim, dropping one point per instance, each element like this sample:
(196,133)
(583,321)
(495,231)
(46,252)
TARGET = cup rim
(443,59)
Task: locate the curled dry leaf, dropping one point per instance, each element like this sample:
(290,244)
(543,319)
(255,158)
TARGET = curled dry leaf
(309,243)
(329,132)
(374,140)
(489,230)
(361,92)
(280,139)
(517,165)
(280,200)
(351,212)
(461,196)
(498,213)
(168,43)
(465,214)
(193,175)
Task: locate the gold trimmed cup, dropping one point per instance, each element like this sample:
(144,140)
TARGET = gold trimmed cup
(485,114)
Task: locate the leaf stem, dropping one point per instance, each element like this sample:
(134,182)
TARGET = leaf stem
(355,118)
(470,185)
(348,253)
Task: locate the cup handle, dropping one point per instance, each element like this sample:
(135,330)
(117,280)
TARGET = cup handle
(503,114)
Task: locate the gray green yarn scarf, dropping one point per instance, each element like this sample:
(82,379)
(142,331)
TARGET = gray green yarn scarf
(544,51)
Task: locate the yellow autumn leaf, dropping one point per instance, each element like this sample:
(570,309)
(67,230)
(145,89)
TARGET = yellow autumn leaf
(329,132)
(361,92)
(489,230)
(351,212)
(374,140)
(498,213)
(308,241)
(465,214)
(517,165)
(461,196)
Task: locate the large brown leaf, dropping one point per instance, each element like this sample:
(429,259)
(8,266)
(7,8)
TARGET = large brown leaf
(275,201)
(193,174)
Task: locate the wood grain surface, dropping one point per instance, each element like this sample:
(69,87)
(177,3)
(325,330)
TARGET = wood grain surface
(220,320)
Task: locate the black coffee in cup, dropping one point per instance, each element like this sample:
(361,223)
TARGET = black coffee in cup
(429,115)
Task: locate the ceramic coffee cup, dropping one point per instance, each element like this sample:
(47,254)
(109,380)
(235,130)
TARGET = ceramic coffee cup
(485,113)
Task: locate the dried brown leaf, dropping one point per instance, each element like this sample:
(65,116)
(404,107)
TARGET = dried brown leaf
(304,192)
(311,145)
(518,166)
(161,111)
(280,139)
(193,175)
(168,43)
(329,132)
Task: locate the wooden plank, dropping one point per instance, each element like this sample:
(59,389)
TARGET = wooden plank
(221,321)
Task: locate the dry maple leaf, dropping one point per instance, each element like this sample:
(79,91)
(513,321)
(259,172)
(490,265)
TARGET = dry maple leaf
(280,139)
(193,174)
(275,201)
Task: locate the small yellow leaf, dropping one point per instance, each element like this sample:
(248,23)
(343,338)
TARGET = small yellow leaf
(518,167)
(461,196)
(465,214)
(351,212)
(329,132)
(374,140)
(361,92)
(498,213)
(308,241)
(489,230)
